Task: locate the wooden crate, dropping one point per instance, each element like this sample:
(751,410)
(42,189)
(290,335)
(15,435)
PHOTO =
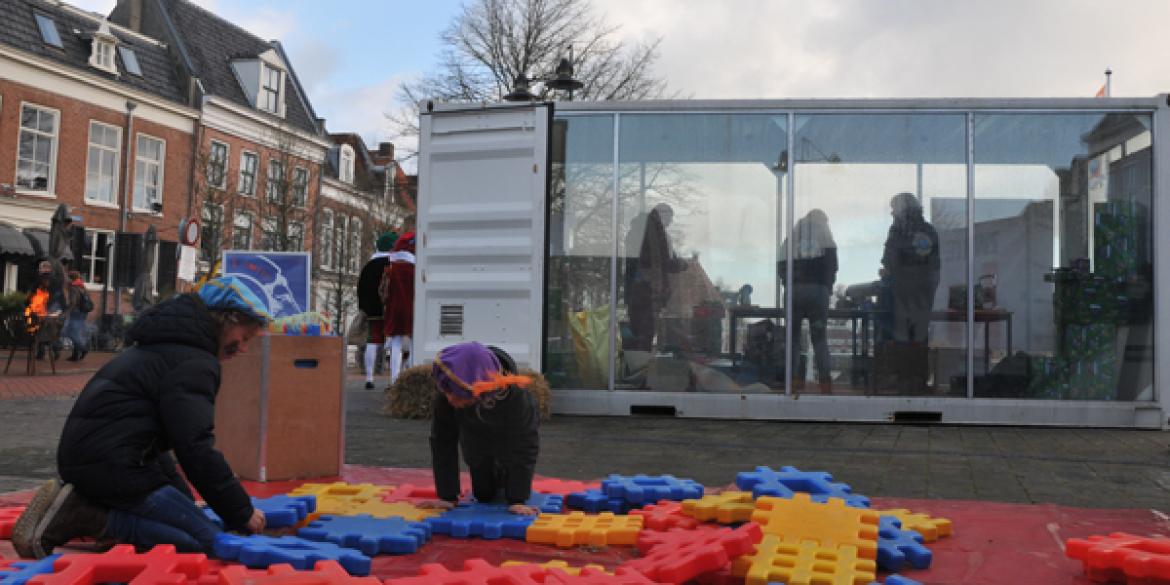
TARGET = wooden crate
(280,413)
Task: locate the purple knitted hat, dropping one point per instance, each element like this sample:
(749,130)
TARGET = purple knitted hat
(469,363)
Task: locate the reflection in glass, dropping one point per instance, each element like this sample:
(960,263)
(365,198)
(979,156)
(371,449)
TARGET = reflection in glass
(581,239)
(1062,232)
(893,187)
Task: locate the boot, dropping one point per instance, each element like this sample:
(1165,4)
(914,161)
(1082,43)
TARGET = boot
(25,529)
(70,516)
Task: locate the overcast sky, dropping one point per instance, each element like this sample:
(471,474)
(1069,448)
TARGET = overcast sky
(351,54)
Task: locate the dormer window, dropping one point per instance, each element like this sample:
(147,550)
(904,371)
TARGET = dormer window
(263,80)
(271,85)
(346,164)
(102,53)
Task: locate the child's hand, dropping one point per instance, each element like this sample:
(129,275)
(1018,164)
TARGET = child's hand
(436,505)
(256,523)
(523,510)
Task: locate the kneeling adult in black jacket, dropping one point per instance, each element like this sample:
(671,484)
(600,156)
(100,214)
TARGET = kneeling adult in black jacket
(155,398)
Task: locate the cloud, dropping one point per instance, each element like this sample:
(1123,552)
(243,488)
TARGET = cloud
(361,109)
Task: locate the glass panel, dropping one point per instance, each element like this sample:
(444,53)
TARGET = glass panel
(47,122)
(130,60)
(28,117)
(1062,232)
(580,251)
(700,220)
(879,265)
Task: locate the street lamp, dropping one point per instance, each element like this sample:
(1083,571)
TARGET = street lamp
(560,80)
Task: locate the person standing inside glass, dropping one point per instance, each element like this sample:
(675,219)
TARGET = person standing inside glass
(814,272)
(648,273)
(910,268)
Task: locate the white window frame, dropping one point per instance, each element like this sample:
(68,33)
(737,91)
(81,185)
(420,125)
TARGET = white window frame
(103,149)
(326,238)
(227,157)
(251,228)
(296,230)
(355,242)
(244,154)
(138,177)
(102,55)
(268,235)
(346,164)
(272,190)
(91,257)
(51,184)
(269,99)
(301,198)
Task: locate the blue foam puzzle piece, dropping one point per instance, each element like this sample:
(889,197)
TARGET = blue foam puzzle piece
(594,501)
(370,535)
(259,552)
(279,511)
(900,580)
(487,521)
(765,481)
(21,572)
(546,503)
(896,547)
(648,489)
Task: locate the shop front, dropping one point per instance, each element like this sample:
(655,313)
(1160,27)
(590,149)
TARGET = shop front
(971,261)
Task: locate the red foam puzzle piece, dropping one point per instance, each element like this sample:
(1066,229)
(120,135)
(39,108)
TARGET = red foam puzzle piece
(8,517)
(1122,557)
(595,577)
(161,566)
(664,515)
(324,573)
(475,572)
(562,486)
(650,539)
(410,493)
(686,554)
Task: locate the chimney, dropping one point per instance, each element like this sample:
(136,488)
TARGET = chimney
(128,13)
(385,153)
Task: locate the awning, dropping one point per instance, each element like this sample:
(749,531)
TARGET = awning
(40,242)
(12,241)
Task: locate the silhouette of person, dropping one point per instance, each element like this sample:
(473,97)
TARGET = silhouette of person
(647,275)
(910,269)
(814,272)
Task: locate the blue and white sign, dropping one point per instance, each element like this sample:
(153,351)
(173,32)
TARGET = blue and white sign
(280,279)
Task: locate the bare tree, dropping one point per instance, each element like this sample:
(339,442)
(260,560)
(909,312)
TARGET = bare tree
(492,41)
(216,207)
(284,211)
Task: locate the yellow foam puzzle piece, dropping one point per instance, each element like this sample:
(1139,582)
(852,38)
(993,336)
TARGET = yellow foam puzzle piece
(562,565)
(340,497)
(831,524)
(930,528)
(804,563)
(578,528)
(724,508)
(380,509)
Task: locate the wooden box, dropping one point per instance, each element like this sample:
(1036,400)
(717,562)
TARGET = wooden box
(280,413)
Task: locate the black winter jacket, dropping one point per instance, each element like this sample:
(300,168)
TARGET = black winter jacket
(156,396)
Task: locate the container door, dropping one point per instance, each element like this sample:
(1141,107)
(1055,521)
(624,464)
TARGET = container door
(481,230)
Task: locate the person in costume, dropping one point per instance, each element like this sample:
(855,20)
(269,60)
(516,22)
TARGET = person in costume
(483,408)
(370,303)
(152,404)
(397,294)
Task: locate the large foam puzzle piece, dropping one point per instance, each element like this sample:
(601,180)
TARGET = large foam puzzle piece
(279,511)
(557,564)
(340,497)
(262,551)
(694,553)
(931,529)
(896,547)
(1122,557)
(410,493)
(121,564)
(645,489)
(325,573)
(546,503)
(765,481)
(474,572)
(8,518)
(665,515)
(828,524)
(577,528)
(563,487)
(370,535)
(380,509)
(900,580)
(595,577)
(724,508)
(20,572)
(595,500)
(803,563)
(487,521)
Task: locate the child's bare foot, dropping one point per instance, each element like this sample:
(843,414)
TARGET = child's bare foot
(523,510)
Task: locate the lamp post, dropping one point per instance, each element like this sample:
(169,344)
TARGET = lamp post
(560,80)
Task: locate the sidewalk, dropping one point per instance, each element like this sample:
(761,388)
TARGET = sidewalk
(68,381)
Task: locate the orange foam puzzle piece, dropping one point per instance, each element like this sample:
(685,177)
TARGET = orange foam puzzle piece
(557,564)
(578,528)
(339,497)
(930,528)
(724,508)
(799,519)
(803,563)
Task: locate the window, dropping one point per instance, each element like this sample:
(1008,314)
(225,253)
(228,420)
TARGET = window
(242,232)
(296,236)
(300,186)
(274,187)
(103,55)
(217,162)
(355,243)
(49,31)
(268,236)
(346,170)
(249,162)
(97,265)
(148,172)
(101,174)
(270,86)
(341,241)
(130,60)
(210,238)
(36,161)
(327,238)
